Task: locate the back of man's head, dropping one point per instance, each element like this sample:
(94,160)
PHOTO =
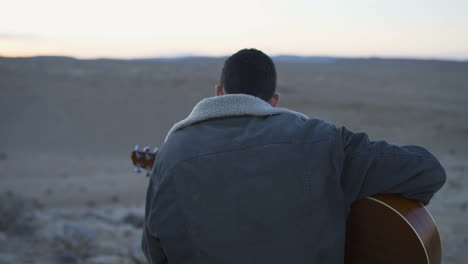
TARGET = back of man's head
(249,71)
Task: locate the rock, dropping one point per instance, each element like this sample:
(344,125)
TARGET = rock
(98,216)
(78,240)
(135,219)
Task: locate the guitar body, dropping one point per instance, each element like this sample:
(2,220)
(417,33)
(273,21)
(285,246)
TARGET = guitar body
(382,229)
(389,229)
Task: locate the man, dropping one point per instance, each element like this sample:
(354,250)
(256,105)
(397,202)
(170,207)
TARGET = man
(242,181)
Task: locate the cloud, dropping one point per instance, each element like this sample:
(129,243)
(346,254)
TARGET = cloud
(17,36)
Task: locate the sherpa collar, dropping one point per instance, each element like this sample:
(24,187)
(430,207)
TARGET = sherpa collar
(229,105)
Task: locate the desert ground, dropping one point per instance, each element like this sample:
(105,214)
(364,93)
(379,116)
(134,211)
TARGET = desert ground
(67,126)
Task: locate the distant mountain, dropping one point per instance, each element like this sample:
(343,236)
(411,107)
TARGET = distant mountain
(177,58)
(279,58)
(314,59)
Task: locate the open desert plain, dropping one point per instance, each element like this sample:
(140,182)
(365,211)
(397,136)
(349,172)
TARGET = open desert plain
(67,190)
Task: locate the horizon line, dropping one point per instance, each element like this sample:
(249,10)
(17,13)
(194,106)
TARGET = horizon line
(182,56)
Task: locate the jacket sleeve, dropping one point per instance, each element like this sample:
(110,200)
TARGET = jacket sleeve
(372,167)
(151,244)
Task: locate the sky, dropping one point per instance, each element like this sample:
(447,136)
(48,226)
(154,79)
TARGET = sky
(141,28)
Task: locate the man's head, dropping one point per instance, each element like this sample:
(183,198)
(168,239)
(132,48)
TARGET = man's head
(249,71)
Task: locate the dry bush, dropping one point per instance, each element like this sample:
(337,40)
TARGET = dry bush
(16,215)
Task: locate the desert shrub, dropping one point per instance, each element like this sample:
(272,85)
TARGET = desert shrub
(77,240)
(16,216)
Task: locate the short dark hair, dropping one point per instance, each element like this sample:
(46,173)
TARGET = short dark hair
(249,71)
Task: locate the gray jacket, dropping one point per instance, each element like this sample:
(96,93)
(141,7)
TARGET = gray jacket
(239,181)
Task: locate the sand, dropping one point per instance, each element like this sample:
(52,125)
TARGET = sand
(67,126)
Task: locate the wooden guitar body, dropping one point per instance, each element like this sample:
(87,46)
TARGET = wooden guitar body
(390,229)
(382,229)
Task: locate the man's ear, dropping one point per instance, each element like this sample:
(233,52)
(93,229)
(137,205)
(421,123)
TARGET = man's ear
(274,100)
(219,90)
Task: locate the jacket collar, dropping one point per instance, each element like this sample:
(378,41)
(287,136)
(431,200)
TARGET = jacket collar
(227,106)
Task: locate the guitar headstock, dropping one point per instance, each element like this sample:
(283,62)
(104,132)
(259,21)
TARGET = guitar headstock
(143,159)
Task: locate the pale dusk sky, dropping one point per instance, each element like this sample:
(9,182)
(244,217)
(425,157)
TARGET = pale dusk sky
(140,28)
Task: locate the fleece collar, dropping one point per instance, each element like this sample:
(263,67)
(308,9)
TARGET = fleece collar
(227,106)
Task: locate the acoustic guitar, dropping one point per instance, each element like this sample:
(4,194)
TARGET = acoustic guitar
(381,229)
